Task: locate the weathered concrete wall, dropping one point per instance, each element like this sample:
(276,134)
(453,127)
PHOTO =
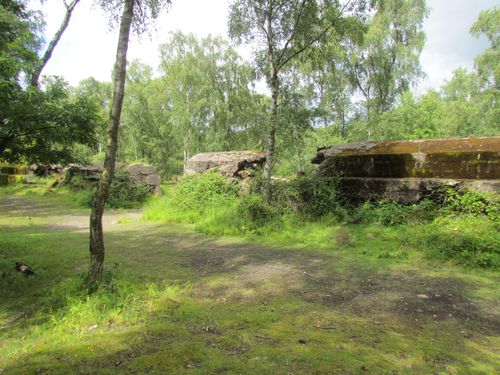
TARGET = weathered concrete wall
(139,173)
(234,164)
(407,171)
(467,158)
(409,190)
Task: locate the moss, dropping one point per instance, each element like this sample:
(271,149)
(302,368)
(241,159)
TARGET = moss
(179,302)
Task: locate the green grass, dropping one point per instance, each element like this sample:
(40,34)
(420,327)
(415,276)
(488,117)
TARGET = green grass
(176,301)
(468,238)
(65,197)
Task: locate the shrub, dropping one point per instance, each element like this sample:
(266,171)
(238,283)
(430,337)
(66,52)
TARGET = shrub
(313,197)
(387,212)
(11,179)
(198,191)
(253,213)
(192,198)
(305,211)
(125,193)
(473,203)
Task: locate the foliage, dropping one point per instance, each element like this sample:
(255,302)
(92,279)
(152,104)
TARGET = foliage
(252,213)
(386,212)
(145,15)
(294,150)
(305,210)
(44,126)
(487,64)
(464,106)
(195,192)
(36,126)
(473,203)
(311,196)
(19,41)
(101,94)
(207,86)
(283,31)
(125,193)
(387,62)
(473,241)
(192,198)
(203,101)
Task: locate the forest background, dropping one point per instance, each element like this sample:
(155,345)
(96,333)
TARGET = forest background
(362,84)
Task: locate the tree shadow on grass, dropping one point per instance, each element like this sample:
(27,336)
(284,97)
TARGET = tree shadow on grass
(245,301)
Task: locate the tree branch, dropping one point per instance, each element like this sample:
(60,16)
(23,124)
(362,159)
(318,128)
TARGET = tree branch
(35,77)
(317,38)
(302,6)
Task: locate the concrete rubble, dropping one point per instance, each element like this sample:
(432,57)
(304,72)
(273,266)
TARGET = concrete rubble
(138,172)
(233,164)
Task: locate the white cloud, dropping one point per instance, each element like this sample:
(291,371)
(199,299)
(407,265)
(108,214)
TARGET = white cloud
(449,44)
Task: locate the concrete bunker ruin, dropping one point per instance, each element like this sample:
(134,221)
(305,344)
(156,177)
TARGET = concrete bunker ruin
(408,171)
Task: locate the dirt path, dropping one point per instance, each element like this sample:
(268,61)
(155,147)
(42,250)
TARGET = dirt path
(402,301)
(243,271)
(59,218)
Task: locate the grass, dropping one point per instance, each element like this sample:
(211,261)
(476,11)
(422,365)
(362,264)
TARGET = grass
(176,301)
(465,233)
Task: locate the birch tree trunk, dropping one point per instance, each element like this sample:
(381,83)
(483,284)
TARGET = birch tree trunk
(97,250)
(270,141)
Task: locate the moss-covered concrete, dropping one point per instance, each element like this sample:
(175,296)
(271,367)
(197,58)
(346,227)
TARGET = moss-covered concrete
(426,161)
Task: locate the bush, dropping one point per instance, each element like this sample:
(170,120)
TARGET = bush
(199,191)
(386,212)
(473,203)
(313,197)
(125,193)
(253,213)
(306,210)
(192,198)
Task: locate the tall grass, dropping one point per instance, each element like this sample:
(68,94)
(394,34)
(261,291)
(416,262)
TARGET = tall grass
(309,212)
(213,205)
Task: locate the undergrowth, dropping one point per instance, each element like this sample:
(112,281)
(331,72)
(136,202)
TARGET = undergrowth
(179,303)
(79,192)
(309,211)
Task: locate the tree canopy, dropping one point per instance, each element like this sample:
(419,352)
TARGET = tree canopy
(281,31)
(334,71)
(36,125)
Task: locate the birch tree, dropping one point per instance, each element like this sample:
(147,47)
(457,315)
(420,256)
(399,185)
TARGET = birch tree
(137,13)
(280,31)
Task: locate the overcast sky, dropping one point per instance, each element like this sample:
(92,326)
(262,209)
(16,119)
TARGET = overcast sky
(88,47)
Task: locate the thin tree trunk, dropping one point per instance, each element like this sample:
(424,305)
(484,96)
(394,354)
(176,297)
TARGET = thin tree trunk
(268,166)
(186,150)
(35,76)
(96,234)
(270,141)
